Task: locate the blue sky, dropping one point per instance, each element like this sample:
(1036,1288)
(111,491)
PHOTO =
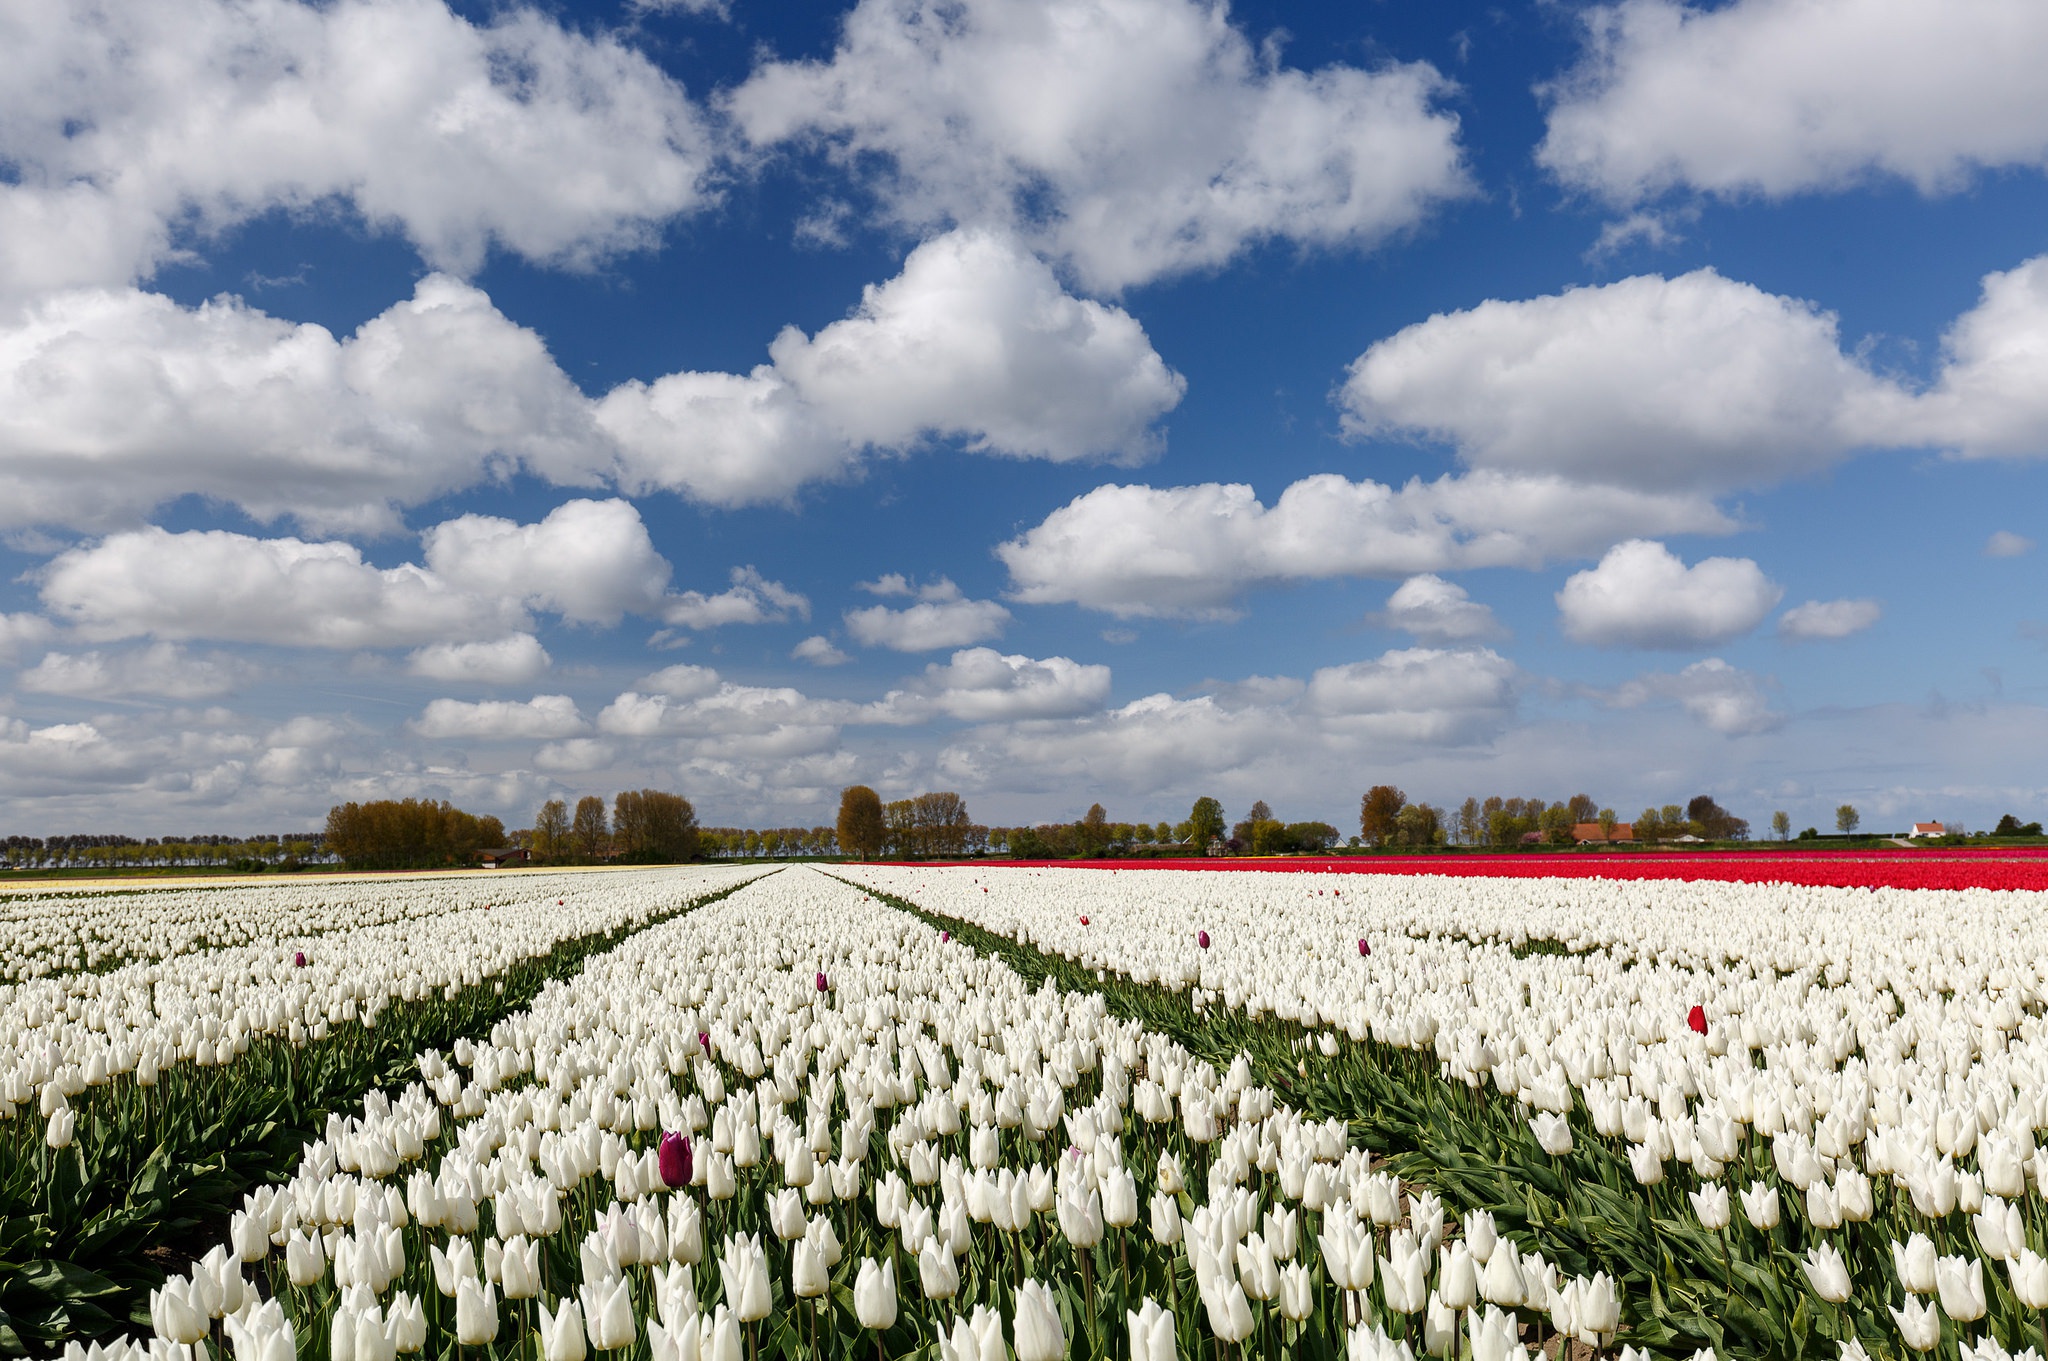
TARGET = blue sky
(1118,400)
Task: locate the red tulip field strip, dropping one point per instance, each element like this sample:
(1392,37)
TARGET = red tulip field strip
(799,1123)
(1947,868)
(1858,1073)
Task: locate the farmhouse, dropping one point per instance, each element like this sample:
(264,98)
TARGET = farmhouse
(1928,829)
(505,855)
(1583,832)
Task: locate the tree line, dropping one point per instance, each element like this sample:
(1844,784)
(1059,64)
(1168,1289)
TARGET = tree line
(642,827)
(107,851)
(1387,818)
(409,834)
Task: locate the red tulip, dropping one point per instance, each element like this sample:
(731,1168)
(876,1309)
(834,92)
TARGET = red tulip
(821,983)
(1084,921)
(1363,948)
(1202,939)
(1697,1019)
(674,1156)
(299,959)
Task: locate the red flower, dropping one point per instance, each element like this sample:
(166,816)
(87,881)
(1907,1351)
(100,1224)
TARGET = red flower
(1363,948)
(673,1154)
(1202,939)
(1084,921)
(1697,1019)
(299,959)
(822,985)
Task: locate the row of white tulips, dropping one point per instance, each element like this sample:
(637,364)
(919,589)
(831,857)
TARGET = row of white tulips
(305,967)
(1796,1043)
(759,1122)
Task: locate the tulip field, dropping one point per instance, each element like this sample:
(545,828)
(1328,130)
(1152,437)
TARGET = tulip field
(977,1113)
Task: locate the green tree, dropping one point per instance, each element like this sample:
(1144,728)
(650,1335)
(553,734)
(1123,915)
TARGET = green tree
(1781,824)
(1847,819)
(1608,822)
(1091,833)
(1205,822)
(1377,812)
(861,829)
(1417,824)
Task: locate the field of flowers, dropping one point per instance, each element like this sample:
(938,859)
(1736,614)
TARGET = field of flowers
(978,1113)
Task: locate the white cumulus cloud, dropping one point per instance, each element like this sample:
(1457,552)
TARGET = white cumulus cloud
(131,128)
(1410,700)
(113,401)
(588,561)
(543,716)
(1439,611)
(2006,544)
(942,617)
(975,340)
(1133,137)
(819,651)
(1190,551)
(751,599)
(1421,695)
(500,661)
(1724,698)
(19,632)
(982,685)
(1777,97)
(161,669)
(1642,595)
(1699,382)
(1990,396)
(1829,618)
(217,584)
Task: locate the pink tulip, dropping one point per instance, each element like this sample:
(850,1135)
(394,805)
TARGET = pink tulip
(945,936)
(1363,948)
(704,1040)
(822,985)
(299,959)
(1202,939)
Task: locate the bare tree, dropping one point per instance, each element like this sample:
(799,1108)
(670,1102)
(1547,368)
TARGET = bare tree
(587,830)
(551,830)
(861,829)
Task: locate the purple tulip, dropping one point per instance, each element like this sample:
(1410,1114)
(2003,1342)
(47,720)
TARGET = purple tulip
(1202,939)
(704,1040)
(822,984)
(1363,948)
(674,1156)
(299,959)
(945,936)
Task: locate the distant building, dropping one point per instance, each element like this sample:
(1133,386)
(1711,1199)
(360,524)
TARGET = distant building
(1583,832)
(503,856)
(1928,829)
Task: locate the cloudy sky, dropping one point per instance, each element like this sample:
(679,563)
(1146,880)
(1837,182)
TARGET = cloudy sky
(1094,399)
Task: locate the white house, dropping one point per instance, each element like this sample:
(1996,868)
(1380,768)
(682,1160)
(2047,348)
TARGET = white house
(1928,829)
